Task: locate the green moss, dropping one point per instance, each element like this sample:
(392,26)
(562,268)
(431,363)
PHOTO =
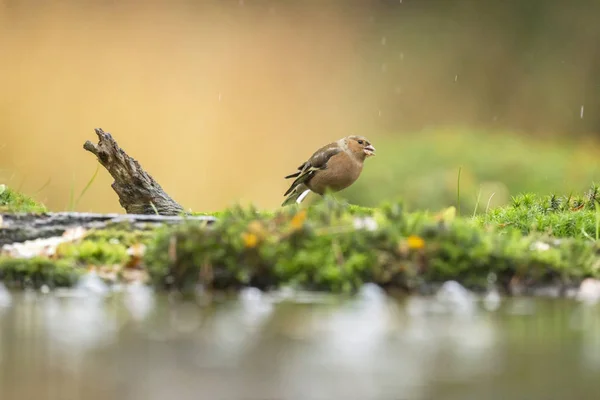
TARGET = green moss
(323,247)
(94,252)
(13,202)
(215,214)
(558,216)
(337,247)
(38,271)
(99,248)
(360,210)
(123,235)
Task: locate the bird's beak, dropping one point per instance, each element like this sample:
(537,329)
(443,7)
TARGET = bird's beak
(369,150)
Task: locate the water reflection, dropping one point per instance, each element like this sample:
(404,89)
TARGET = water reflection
(133,344)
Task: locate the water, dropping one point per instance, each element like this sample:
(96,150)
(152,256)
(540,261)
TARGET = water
(134,344)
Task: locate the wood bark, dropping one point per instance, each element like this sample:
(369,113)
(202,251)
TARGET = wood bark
(138,192)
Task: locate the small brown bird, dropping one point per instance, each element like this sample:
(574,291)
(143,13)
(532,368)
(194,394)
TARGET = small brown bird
(333,167)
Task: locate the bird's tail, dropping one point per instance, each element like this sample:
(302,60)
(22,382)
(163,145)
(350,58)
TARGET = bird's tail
(297,195)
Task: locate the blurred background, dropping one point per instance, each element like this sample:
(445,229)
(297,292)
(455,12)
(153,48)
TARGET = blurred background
(219,100)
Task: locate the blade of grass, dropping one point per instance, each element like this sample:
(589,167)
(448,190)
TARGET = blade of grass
(43,186)
(87,186)
(477,202)
(458,191)
(487,208)
(587,235)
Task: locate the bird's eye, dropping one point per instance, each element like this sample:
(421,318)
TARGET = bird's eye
(360,142)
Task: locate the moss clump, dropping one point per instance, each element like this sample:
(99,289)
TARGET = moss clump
(125,236)
(334,247)
(103,249)
(38,271)
(558,216)
(13,202)
(65,267)
(470,255)
(93,252)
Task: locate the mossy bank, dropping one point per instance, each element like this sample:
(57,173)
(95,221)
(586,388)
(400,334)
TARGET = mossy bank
(331,246)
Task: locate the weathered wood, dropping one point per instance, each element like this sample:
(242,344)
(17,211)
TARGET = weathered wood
(22,227)
(138,192)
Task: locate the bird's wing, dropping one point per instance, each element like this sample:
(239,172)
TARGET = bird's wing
(320,157)
(317,161)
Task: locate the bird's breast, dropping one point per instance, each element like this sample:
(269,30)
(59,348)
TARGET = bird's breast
(340,173)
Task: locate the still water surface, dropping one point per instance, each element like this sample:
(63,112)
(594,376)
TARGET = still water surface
(134,344)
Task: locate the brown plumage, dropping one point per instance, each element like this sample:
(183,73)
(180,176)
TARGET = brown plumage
(333,167)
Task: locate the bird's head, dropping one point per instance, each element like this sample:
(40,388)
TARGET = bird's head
(360,146)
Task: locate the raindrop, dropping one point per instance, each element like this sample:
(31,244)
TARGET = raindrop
(383,67)
(581,112)
(220,96)
(401,56)
(455,78)
(380,113)
(383,40)
(241,2)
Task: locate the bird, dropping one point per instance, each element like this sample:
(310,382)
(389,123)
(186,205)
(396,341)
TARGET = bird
(333,167)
